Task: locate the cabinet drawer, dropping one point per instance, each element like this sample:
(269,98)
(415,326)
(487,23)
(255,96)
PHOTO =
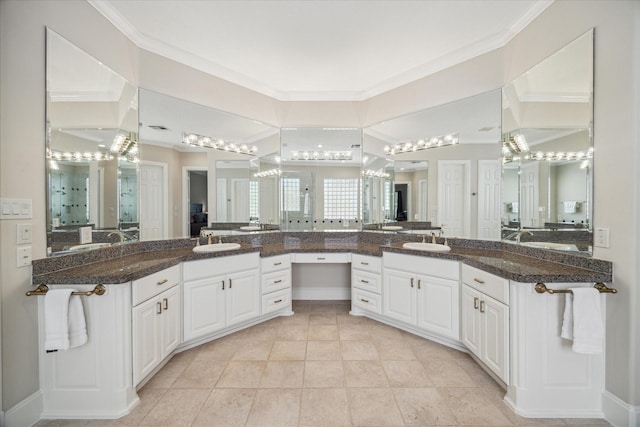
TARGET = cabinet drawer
(217,266)
(487,283)
(366,300)
(426,265)
(276,301)
(372,264)
(367,281)
(275,263)
(276,281)
(152,285)
(323,258)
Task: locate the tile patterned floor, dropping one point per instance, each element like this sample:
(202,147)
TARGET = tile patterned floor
(322,367)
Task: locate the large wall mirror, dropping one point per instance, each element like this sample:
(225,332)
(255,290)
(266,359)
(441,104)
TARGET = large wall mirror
(91,153)
(437,168)
(548,152)
(320,178)
(202,167)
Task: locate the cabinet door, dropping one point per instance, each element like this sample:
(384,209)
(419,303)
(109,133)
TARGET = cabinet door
(171,320)
(495,336)
(204,306)
(243,297)
(470,310)
(398,296)
(146,338)
(438,306)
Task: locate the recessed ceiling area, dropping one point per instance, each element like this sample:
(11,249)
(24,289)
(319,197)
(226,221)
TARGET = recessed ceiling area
(320,50)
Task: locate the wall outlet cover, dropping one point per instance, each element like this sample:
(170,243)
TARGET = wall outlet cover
(85,235)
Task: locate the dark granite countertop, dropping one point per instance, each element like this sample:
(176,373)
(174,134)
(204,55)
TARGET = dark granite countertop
(140,261)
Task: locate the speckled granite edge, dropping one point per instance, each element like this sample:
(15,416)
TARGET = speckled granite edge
(64,269)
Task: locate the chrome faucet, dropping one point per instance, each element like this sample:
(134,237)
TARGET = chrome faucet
(520,233)
(119,234)
(433,238)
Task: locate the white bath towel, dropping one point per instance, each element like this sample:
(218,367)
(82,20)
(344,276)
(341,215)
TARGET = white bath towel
(65,325)
(582,321)
(514,207)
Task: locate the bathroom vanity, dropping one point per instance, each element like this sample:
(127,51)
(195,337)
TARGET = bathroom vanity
(162,298)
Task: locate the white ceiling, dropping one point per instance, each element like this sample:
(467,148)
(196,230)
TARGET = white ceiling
(320,50)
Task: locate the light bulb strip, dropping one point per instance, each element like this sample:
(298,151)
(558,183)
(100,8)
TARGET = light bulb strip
(270,172)
(78,156)
(423,144)
(376,174)
(195,140)
(321,155)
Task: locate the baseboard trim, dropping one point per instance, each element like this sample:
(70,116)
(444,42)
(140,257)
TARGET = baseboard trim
(25,413)
(618,412)
(321,293)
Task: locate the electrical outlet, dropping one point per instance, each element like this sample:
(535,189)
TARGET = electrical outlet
(23,256)
(601,237)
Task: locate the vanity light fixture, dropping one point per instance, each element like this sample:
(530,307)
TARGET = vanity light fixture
(270,172)
(195,140)
(378,174)
(56,156)
(321,155)
(553,155)
(423,144)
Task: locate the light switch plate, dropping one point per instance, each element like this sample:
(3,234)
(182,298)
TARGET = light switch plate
(15,208)
(601,237)
(24,256)
(24,233)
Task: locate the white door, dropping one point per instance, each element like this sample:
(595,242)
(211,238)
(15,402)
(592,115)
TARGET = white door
(489,199)
(239,200)
(438,306)
(146,338)
(171,320)
(453,197)
(152,204)
(398,289)
(470,311)
(221,200)
(204,306)
(495,336)
(422,200)
(243,297)
(529,194)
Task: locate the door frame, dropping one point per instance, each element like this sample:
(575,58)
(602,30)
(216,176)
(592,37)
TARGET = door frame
(186,228)
(165,195)
(466,191)
(409,194)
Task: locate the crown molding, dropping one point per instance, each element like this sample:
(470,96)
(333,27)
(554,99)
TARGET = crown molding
(457,57)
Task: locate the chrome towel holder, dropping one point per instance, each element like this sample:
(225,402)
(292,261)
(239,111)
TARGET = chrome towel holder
(43,289)
(541,288)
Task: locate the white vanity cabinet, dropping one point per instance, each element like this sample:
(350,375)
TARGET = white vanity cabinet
(276,283)
(366,283)
(220,292)
(485,319)
(422,292)
(156,320)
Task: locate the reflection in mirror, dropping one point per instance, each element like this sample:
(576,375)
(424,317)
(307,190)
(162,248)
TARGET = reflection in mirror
(219,188)
(548,114)
(434,156)
(91,150)
(320,180)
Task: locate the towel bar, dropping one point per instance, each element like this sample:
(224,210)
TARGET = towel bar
(541,288)
(43,289)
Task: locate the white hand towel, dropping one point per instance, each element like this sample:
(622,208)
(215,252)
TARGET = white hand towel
(570,207)
(65,325)
(582,321)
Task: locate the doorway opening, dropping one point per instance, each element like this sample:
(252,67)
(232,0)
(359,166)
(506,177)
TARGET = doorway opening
(197,192)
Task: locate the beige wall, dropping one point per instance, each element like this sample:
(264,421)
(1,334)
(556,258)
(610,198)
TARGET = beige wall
(616,140)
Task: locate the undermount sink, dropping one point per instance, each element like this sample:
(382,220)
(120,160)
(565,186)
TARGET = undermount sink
(429,247)
(391,228)
(551,245)
(217,247)
(250,228)
(88,246)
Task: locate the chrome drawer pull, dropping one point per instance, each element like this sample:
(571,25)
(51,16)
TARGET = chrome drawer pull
(475,279)
(158,307)
(481,306)
(364,281)
(162,282)
(230,283)
(364,263)
(223,285)
(320,258)
(166,303)
(277,301)
(419,280)
(364,300)
(412,282)
(475,303)
(278,281)
(277,263)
